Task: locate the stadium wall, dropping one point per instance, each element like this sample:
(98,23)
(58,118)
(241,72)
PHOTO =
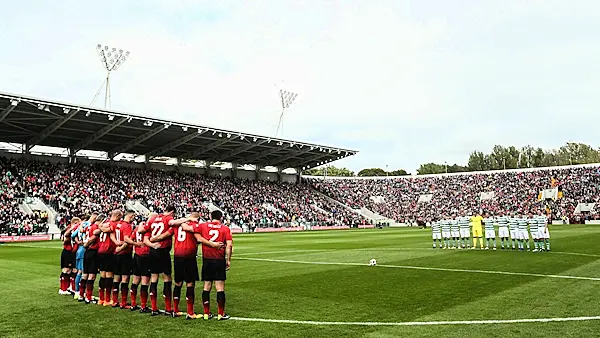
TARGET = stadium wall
(241,173)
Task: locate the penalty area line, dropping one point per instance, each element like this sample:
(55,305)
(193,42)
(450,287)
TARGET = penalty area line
(452,322)
(411,267)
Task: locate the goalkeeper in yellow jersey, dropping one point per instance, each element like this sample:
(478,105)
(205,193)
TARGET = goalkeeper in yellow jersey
(476,221)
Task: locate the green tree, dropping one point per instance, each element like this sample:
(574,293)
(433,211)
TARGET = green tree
(477,161)
(371,172)
(431,168)
(399,172)
(330,171)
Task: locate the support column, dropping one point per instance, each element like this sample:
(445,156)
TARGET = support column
(298,175)
(178,165)
(234,170)
(146,162)
(208,169)
(257,169)
(279,176)
(25,152)
(72,158)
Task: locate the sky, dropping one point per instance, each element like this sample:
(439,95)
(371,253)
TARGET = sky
(402,82)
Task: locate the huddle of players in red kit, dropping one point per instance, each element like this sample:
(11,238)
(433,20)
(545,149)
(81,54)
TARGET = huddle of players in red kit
(109,243)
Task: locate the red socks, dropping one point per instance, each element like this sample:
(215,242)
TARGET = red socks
(206,301)
(133,295)
(189,297)
(124,294)
(153,292)
(144,296)
(89,289)
(221,302)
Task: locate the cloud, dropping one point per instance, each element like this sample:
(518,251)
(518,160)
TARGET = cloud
(403,82)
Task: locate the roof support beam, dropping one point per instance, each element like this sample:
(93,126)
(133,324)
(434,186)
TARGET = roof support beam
(290,156)
(97,135)
(197,153)
(7,110)
(230,155)
(51,129)
(307,161)
(254,158)
(173,145)
(124,147)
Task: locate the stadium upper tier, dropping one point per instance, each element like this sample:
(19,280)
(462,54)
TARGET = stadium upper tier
(397,198)
(30,121)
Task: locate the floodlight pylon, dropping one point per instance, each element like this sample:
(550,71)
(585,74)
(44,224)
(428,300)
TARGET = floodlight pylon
(287,98)
(111,59)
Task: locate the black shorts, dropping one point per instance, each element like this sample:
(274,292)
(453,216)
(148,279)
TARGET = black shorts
(90,262)
(186,269)
(213,269)
(106,262)
(123,265)
(141,266)
(160,261)
(67,259)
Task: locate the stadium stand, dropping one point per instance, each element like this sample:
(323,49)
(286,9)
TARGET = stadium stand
(513,191)
(78,189)
(13,219)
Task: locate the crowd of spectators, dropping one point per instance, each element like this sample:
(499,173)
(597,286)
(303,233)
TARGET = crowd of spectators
(13,220)
(514,191)
(79,189)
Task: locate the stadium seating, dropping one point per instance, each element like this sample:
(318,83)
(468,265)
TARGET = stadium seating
(513,191)
(13,220)
(78,189)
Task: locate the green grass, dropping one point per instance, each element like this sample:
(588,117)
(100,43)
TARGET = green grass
(31,307)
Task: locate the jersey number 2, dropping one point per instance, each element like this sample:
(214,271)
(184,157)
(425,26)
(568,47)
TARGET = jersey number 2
(213,235)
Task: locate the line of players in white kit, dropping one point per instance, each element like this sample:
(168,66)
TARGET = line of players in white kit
(521,232)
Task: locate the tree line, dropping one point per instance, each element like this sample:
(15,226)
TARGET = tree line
(499,158)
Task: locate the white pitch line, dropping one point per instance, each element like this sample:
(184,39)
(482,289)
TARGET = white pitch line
(426,268)
(276,252)
(574,254)
(454,322)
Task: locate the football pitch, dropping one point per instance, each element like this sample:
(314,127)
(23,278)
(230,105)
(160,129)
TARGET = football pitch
(319,284)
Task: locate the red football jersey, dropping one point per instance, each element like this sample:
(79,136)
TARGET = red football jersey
(74,245)
(144,250)
(121,230)
(185,242)
(214,232)
(89,233)
(67,243)
(106,245)
(157,226)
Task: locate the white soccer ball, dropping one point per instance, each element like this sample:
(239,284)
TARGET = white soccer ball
(372,262)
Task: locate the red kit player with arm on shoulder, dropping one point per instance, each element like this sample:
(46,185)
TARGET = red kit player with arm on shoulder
(106,256)
(67,258)
(141,267)
(90,259)
(215,262)
(160,257)
(123,260)
(185,262)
